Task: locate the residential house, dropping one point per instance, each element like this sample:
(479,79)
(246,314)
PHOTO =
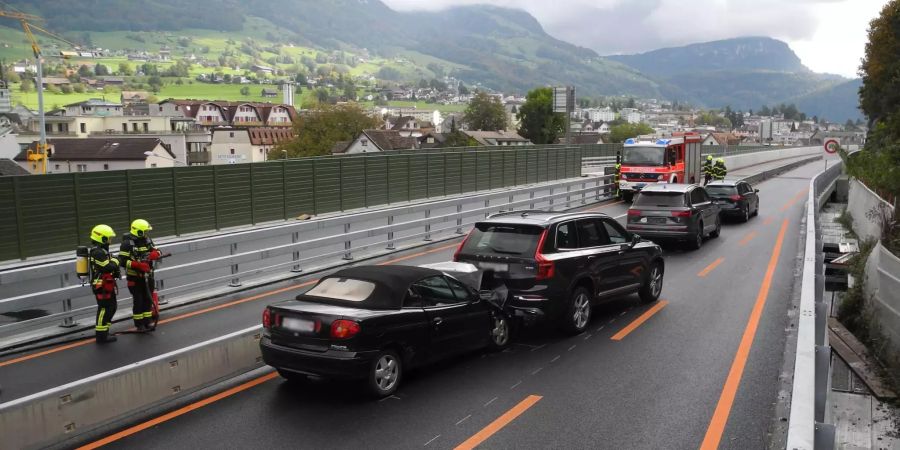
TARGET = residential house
(721,139)
(264,69)
(497,138)
(270,93)
(582,139)
(8,167)
(132,97)
(55,82)
(844,137)
(245,145)
(99,154)
(370,141)
(224,113)
(432,140)
(408,126)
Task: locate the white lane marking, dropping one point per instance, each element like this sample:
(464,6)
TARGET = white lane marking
(432,440)
(572,347)
(537,370)
(610,321)
(619,217)
(623,313)
(394,397)
(539,347)
(554,359)
(463,419)
(601,328)
(515,385)
(588,336)
(525,345)
(489,403)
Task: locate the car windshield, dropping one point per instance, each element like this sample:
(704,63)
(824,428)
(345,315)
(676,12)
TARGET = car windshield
(659,199)
(346,289)
(715,190)
(643,156)
(499,239)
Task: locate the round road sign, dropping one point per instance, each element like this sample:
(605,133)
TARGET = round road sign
(832,145)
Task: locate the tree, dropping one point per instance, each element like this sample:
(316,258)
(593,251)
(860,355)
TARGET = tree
(125,69)
(155,83)
(619,133)
(456,138)
(324,126)
(539,123)
(322,95)
(78,88)
(101,70)
(463,90)
(765,111)
(350,91)
(65,89)
(245,91)
(485,112)
(85,71)
(25,86)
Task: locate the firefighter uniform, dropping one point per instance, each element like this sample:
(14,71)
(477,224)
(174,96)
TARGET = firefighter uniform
(719,170)
(136,255)
(708,168)
(616,178)
(104,272)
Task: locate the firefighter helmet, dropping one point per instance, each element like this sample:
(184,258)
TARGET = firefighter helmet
(721,161)
(709,158)
(140,228)
(102,234)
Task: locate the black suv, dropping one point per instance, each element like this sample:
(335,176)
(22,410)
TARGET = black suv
(683,212)
(557,265)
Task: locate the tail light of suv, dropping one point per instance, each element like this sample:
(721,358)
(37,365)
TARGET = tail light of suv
(461,245)
(545,268)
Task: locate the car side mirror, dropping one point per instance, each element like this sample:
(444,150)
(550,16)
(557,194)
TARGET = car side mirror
(756,190)
(635,239)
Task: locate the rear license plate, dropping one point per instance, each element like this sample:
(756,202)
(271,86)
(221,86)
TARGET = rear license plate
(656,220)
(496,267)
(298,325)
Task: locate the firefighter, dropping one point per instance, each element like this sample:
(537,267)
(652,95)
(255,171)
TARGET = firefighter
(136,255)
(103,272)
(719,170)
(708,169)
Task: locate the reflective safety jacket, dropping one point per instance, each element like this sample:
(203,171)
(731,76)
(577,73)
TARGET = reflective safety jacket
(104,271)
(134,248)
(720,171)
(707,167)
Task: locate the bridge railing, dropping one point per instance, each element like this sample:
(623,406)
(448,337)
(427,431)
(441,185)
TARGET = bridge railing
(806,426)
(210,266)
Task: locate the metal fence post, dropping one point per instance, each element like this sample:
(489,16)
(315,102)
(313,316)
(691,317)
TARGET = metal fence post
(390,237)
(235,282)
(583,193)
(597,191)
(459,207)
(295,256)
(487,204)
(531,196)
(68,321)
(550,206)
(348,255)
(568,196)
(428,225)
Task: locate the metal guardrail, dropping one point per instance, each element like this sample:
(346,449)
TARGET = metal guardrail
(234,258)
(806,427)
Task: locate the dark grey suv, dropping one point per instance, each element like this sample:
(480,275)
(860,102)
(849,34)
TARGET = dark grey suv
(556,266)
(683,212)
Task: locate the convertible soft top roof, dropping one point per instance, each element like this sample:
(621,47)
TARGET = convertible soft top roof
(391,284)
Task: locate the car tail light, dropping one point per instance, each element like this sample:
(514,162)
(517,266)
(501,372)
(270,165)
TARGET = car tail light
(344,329)
(681,213)
(545,268)
(735,198)
(267,319)
(461,245)
(634,212)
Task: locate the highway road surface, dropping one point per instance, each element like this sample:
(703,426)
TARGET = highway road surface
(698,369)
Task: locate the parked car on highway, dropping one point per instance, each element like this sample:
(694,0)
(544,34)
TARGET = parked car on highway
(681,212)
(556,265)
(374,323)
(735,198)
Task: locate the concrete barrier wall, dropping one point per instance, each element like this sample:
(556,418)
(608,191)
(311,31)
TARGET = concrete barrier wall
(861,201)
(63,413)
(883,287)
(751,159)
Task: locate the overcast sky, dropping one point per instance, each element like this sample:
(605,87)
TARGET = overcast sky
(828,35)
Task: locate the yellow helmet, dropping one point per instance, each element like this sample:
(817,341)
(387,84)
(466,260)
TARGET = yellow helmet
(721,160)
(140,228)
(102,234)
(709,157)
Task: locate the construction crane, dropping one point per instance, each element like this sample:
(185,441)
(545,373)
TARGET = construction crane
(40,154)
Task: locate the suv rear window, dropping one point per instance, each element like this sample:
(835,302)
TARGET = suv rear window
(503,240)
(721,190)
(659,199)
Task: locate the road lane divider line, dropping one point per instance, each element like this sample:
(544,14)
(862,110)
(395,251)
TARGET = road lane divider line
(595,208)
(732,382)
(499,423)
(179,412)
(801,194)
(746,240)
(640,320)
(213,308)
(712,266)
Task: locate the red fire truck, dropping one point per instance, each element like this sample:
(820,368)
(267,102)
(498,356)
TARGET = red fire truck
(672,160)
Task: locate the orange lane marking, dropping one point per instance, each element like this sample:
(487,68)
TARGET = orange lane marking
(795,199)
(732,383)
(46,352)
(211,309)
(499,423)
(617,202)
(746,240)
(178,412)
(640,320)
(710,267)
(769,220)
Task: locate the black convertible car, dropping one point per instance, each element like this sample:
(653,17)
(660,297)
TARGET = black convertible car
(373,323)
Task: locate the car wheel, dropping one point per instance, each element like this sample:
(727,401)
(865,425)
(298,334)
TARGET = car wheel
(385,373)
(697,241)
(745,213)
(715,233)
(578,314)
(756,210)
(501,332)
(652,287)
(292,377)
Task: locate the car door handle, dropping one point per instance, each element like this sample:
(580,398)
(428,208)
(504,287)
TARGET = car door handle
(437,321)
